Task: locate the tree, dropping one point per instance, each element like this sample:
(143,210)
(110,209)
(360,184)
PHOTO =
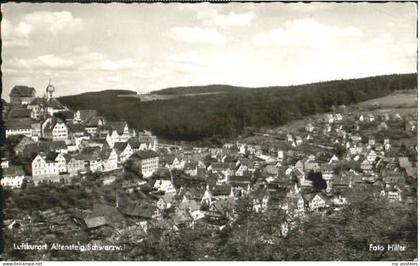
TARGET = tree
(317,181)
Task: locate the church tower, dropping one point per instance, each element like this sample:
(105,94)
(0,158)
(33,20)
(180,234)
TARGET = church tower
(50,91)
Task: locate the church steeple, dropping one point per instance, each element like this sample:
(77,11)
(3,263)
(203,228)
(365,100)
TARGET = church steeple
(50,90)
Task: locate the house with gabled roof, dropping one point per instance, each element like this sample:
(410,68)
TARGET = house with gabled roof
(13,176)
(177,163)
(366,165)
(216,192)
(118,131)
(147,140)
(37,107)
(74,164)
(55,129)
(334,159)
(295,204)
(21,95)
(109,159)
(92,158)
(316,201)
(123,150)
(226,169)
(95,125)
(241,185)
(165,186)
(48,165)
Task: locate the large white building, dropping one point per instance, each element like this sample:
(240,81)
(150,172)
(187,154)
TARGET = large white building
(21,126)
(147,162)
(43,166)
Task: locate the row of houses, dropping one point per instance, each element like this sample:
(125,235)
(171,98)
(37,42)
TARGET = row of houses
(51,141)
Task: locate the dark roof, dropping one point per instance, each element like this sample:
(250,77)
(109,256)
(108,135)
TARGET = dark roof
(58,145)
(120,146)
(19,140)
(271,169)
(13,171)
(19,112)
(326,167)
(24,123)
(341,180)
(224,205)
(76,127)
(87,114)
(221,190)
(93,121)
(190,165)
(69,157)
(90,153)
(239,179)
(105,153)
(54,103)
(39,101)
(100,141)
(66,114)
(223,166)
(144,154)
(191,204)
(22,91)
(167,158)
(51,123)
(112,215)
(31,149)
(118,126)
(134,143)
(144,209)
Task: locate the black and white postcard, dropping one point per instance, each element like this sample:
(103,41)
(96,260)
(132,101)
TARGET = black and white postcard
(204,131)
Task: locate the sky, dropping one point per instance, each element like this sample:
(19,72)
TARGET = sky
(146,47)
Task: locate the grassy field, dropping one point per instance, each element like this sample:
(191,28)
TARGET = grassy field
(393,101)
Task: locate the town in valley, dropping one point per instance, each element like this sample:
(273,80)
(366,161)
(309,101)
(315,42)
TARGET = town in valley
(74,176)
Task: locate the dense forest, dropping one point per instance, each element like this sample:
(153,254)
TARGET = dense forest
(200,89)
(229,113)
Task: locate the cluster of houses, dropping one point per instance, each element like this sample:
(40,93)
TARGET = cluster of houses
(49,142)
(333,160)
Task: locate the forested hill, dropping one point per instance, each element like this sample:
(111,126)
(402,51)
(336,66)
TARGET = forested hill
(200,89)
(228,114)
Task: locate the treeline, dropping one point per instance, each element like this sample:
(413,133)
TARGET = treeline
(228,114)
(200,89)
